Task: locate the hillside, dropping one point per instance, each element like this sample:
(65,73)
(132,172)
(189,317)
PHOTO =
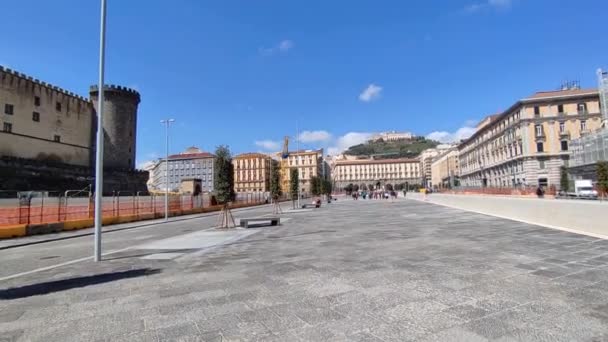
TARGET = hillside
(392,149)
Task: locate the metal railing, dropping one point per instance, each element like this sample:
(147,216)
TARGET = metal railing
(38,207)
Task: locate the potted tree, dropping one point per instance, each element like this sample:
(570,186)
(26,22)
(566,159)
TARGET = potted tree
(224,185)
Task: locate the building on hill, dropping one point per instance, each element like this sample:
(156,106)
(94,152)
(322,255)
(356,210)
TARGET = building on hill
(445,169)
(309,163)
(192,164)
(42,124)
(376,172)
(252,172)
(392,136)
(528,143)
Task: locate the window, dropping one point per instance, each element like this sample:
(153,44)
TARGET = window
(582,108)
(8,109)
(57,138)
(58,106)
(583,125)
(539,130)
(36,116)
(539,147)
(8,127)
(562,127)
(37,101)
(560,108)
(564,145)
(536,111)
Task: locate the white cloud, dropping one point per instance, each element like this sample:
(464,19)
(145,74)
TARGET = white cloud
(490,4)
(348,140)
(268,144)
(283,46)
(372,92)
(452,137)
(314,136)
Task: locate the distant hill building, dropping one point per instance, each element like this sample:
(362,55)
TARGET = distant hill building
(392,136)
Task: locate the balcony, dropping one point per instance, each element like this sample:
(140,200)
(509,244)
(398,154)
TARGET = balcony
(564,134)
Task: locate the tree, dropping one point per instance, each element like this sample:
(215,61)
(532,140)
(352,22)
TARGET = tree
(602,177)
(399,187)
(294,184)
(275,187)
(326,187)
(370,187)
(564,181)
(388,187)
(223,183)
(349,189)
(355,188)
(315,186)
(363,186)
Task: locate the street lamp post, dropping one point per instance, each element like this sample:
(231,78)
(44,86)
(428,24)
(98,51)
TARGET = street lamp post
(100,137)
(167,122)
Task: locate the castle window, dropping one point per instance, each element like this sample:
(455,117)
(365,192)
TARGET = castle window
(8,127)
(8,109)
(37,101)
(58,106)
(57,138)
(36,116)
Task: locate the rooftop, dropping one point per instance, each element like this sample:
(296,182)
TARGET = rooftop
(560,93)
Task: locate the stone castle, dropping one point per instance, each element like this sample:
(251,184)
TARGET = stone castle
(47,136)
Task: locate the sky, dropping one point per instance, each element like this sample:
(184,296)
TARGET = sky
(247,73)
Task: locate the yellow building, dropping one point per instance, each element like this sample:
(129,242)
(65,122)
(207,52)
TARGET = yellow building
(252,172)
(445,169)
(309,164)
(528,143)
(376,172)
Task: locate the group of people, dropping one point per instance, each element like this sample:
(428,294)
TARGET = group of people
(379,194)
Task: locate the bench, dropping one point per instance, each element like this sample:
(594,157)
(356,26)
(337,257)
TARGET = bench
(311,205)
(274,221)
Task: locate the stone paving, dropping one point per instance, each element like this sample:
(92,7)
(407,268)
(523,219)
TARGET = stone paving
(350,271)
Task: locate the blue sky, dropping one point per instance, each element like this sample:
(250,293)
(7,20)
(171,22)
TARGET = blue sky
(243,72)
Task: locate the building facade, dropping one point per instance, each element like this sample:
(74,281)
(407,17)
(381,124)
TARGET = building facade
(426,161)
(445,169)
(376,172)
(190,164)
(252,172)
(392,136)
(309,163)
(528,143)
(44,128)
(43,122)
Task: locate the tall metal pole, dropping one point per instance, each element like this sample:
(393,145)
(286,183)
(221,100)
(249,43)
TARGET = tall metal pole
(100,136)
(167,122)
(298,159)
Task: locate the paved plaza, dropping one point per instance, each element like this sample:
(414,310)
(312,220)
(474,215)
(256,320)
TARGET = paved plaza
(349,271)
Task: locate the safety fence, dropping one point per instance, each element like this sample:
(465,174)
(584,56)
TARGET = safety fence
(49,207)
(518,191)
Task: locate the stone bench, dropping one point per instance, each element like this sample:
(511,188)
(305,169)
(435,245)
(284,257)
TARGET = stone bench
(311,205)
(274,221)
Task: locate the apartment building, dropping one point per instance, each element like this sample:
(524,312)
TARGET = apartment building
(252,172)
(192,164)
(309,164)
(426,160)
(374,172)
(445,169)
(528,143)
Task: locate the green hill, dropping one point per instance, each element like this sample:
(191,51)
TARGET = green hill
(392,149)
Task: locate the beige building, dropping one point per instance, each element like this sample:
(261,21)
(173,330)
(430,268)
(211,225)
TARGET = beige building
(252,172)
(528,143)
(309,164)
(376,172)
(426,160)
(42,122)
(392,136)
(445,169)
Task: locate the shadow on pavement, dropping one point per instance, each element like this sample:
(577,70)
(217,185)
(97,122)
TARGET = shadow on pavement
(71,283)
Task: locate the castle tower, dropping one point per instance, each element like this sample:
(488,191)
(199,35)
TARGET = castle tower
(120,125)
